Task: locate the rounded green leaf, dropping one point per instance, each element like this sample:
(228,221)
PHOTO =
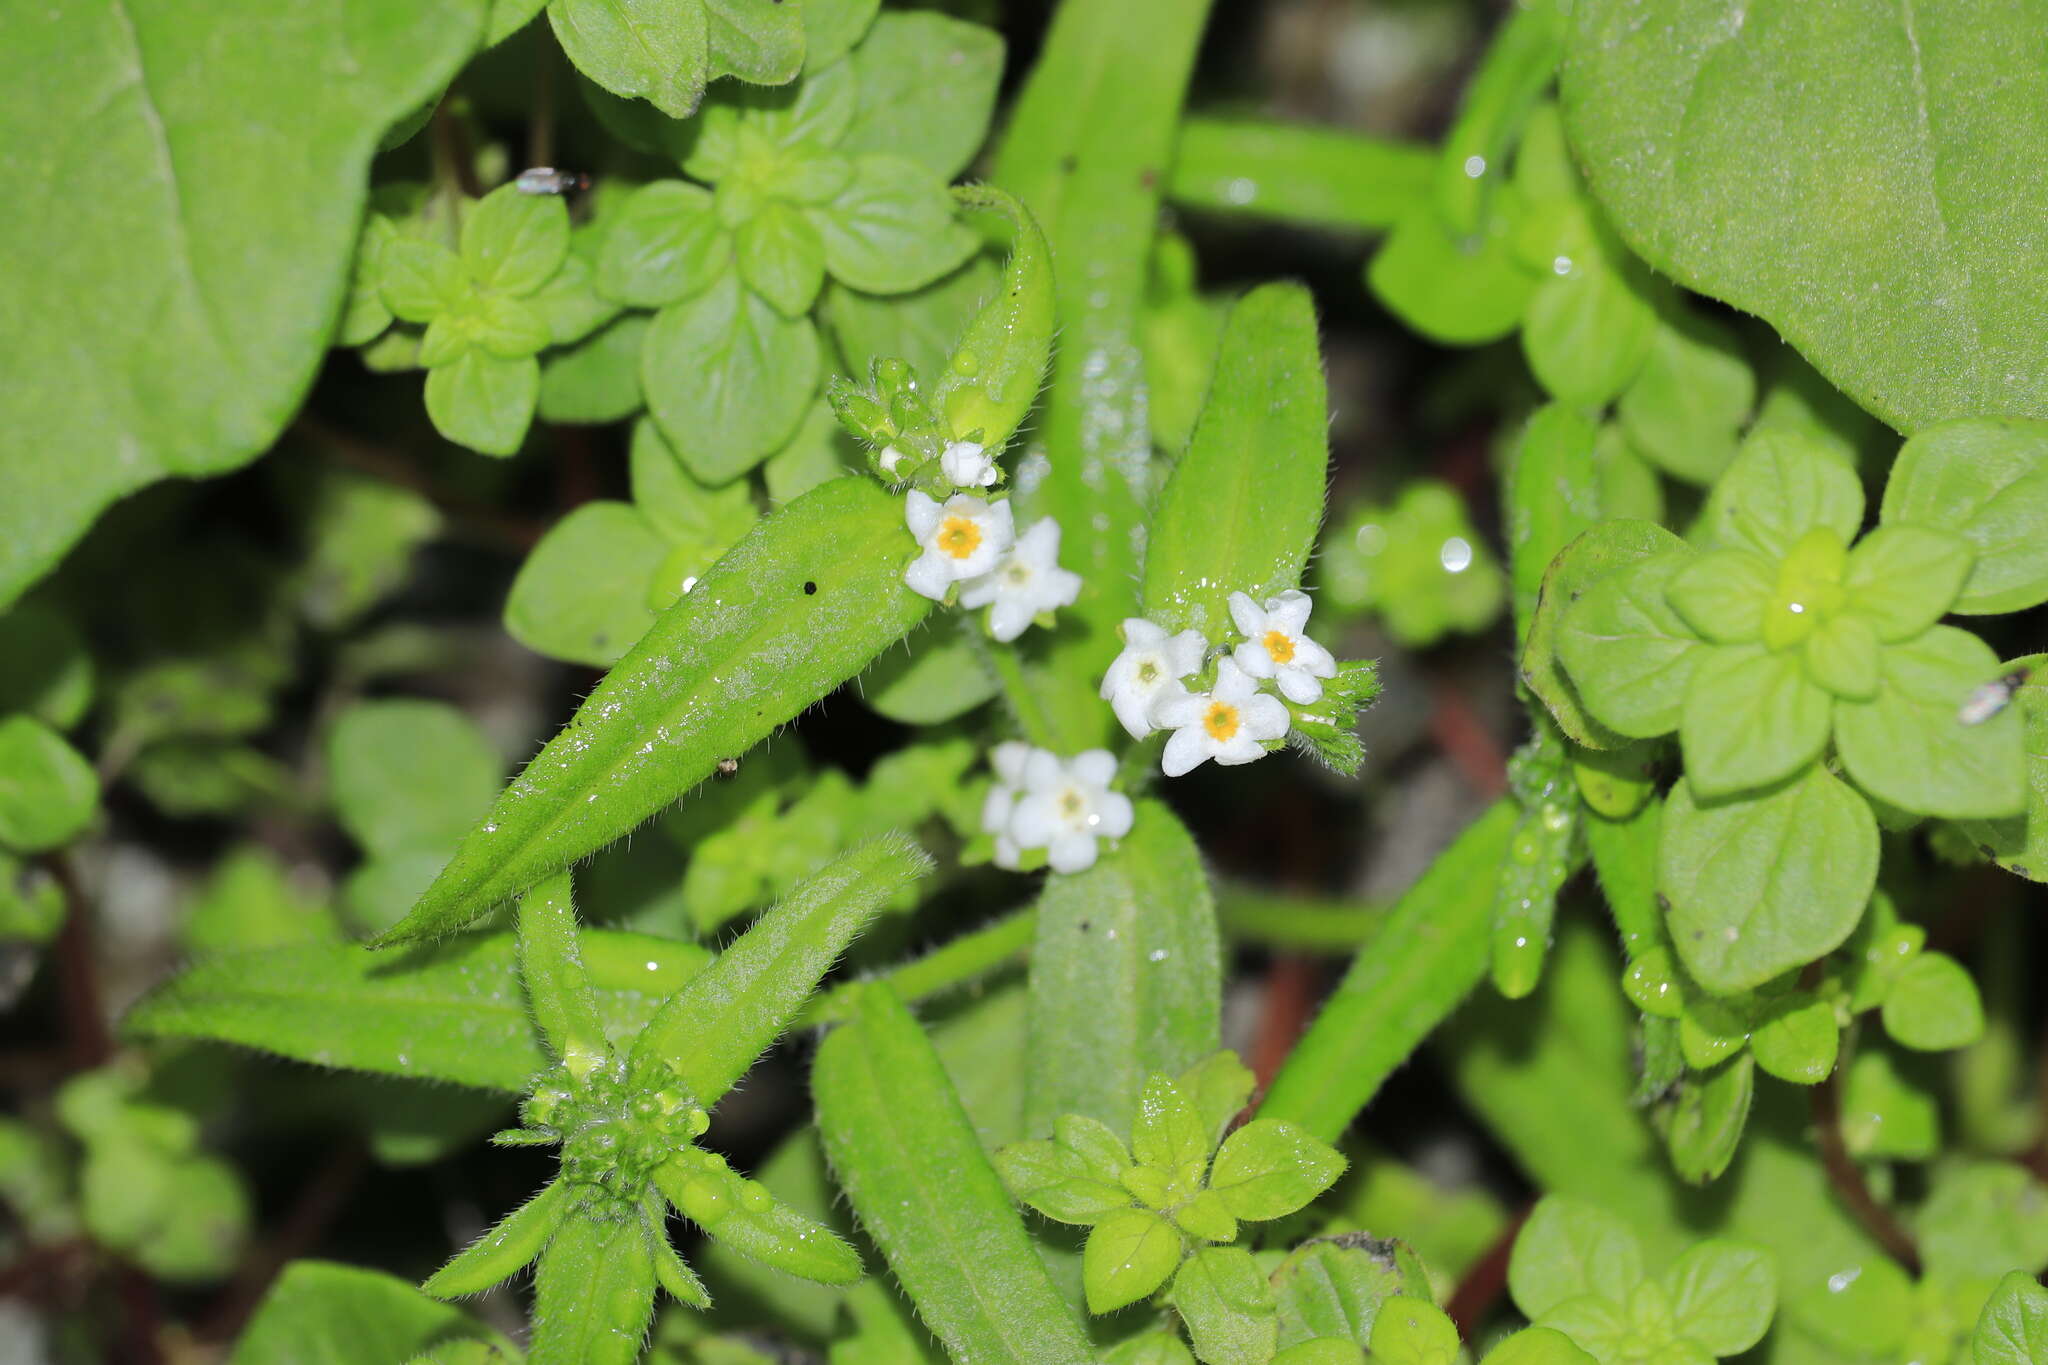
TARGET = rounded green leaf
(657,50)
(1888,1111)
(1782,485)
(45,669)
(1587,333)
(1796,1040)
(484,401)
(1569,1249)
(1606,549)
(1413,1332)
(1269,1168)
(1129,1254)
(1983,1217)
(597,380)
(927,85)
(782,258)
(1538,1346)
(892,228)
(409,773)
(1461,293)
(1902,578)
(48,792)
(1842,656)
(1703,1126)
(1751,717)
(728,378)
(664,245)
(1723,595)
(2013,1328)
(831,27)
(1933,1005)
(1723,1295)
(1691,397)
(1629,654)
(1059,1182)
(581,595)
(759,41)
(513,242)
(1227,1304)
(1985,479)
(1764,883)
(1907,745)
(937,676)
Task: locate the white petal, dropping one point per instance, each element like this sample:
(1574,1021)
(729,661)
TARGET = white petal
(1060,589)
(1071,853)
(1298,685)
(964,464)
(1184,653)
(1133,711)
(1171,712)
(922,513)
(1001,516)
(1036,823)
(1007,853)
(996,808)
(1138,632)
(1010,617)
(1251,656)
(1043,770)
(889,459)
(1290,610)
(1113,681)
(1251,622)
(1313,658)
(1009,759)
(929,575)
(1184,751)
(983,560)
(1040,546)
(1232,684)
(1096,767)
(1115,810)
(1239,748)
(1265,717)
(979,592)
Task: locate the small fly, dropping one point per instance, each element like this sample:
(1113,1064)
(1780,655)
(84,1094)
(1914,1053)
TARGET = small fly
(548,180)
(1991,698)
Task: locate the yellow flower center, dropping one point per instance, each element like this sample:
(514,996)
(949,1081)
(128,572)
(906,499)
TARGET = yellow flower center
(1221,721)
(1280,645)
(958,537)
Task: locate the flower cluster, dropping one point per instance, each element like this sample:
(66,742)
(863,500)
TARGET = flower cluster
(1063,806)
(1228,718)
(973,542)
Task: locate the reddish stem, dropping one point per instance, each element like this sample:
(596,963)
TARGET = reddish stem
(1485,1280)
(1847,1178)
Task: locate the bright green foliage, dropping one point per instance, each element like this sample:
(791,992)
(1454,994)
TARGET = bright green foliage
(1417,563)
(1413,1332)
(251,902)
(1160,1209)
(45,670)
(1986,482)
(1542,854)
(926,88)
(819,591)
(907,1156)
(1708,156)
(1793,1034)
(323,1311)
(256,235)
(1580,1271)
(1330,1290)
(1568,475)
(48,792)
(145,1187)
(667,51)
(1296,172)
(2014,1327)
(1653,657)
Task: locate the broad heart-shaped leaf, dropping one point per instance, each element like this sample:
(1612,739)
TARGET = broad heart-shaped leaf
(2013,1328)
(1128,1255)
(1691,396)
(593,1290)
(1764,883)
(193,266)
(1569,1249)
(891,229)
(323,1311)
(656,50)
(409,773)
(1781,486)
(1125,975)
(927,85)
(1723,1294)
(1241,508)
(907,1156)
(1906,745)
(664,245)
(728,1015)
(1629,655)
(582,594)
(450,1012)
(1751,717)
(1269,1168)
(1883,250)
(728,378)
(803,603)
(484,401)
(1933,1004)
(1984,479)
(1903,578)
(1227,1304)
(48,792)
(1609,548)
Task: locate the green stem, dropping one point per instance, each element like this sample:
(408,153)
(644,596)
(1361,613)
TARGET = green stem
(967,958)
(1318,176)
(1023,699)
(1301,923)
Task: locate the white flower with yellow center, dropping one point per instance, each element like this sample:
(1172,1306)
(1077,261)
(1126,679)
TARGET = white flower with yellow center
(1008,760)
(1028,581)
(1066,807)
(1148,672)
(1274,646)
(1230,723)
(966,465)
(963,537)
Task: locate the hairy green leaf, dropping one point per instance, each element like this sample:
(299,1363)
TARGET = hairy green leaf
(593,1292)
(1986,480)
(1629,654)
(1227,1304)
(324,1313)
(656,50)
(2013,1329)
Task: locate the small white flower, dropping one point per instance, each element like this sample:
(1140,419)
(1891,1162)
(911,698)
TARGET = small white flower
(1008,760)
(1027,582)
(889,459)
(1149,671)
(966,466)
(1229,723)
(962,537)
(1066,806)
(1275,648)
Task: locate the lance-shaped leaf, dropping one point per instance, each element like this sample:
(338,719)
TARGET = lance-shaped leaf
(802,604)
(1297,173)
(745,1217)
(551,968)
(594,1292)
(714,1028)
(508,1248)
(907,1156)
(995,372)
(1241,509)
(453,1011)
(1125,975)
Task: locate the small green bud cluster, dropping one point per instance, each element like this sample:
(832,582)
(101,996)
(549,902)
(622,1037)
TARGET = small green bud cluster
(905,433)
(616,1124)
